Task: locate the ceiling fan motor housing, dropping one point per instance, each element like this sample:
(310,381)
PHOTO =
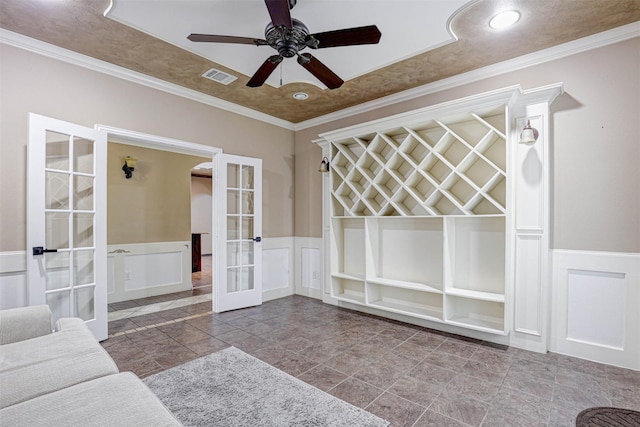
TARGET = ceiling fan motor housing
(287,41)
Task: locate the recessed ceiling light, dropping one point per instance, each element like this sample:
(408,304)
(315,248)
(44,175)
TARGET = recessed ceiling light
(300,96)
(504,19)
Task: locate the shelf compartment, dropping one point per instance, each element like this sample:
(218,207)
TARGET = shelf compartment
(497,189)
(420,186)
(387,184)
(493,148)
(362,209)
(495,120)
(339,209)
(358,181)
(429,133)
(476,254)
(407,250)
(400,168)
(381,149)
(413,150)
(408,205)
(476,295)
(480,205)
(486,316)
(405,285)
(395,137)
(435,168)
(347,196)
(471,130)
(405,301)
(477,170)
(459,189)
(351,150)
(347,290)
(340,166)
(375,200)
(441,204)
(452,149)
(348,247)
(369,166)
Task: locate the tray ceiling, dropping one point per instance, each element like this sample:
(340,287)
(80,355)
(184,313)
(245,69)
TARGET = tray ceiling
(422,41)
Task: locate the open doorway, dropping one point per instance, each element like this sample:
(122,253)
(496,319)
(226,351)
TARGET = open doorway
(150,228)
(201,226)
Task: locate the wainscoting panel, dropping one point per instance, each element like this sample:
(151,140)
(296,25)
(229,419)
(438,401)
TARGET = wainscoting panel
(13,279)
(308,271)
(277,267)
(596,307)
(147,269)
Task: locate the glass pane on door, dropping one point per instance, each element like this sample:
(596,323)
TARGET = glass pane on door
(69,225)
(240,228)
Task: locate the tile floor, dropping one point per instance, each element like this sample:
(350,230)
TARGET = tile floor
(408,375)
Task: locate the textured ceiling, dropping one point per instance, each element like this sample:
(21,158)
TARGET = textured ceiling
(79,25)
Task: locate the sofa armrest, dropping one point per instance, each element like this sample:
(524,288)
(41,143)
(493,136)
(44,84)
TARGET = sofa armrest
(23,323)
(70,324)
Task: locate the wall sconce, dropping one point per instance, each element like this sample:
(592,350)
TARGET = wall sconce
(128,167)
(324,165)
(529,135)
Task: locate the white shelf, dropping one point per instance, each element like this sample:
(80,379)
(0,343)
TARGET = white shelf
(478,295)
(405,301)
(348,290)
(476,314)
(494,326)
(436,289)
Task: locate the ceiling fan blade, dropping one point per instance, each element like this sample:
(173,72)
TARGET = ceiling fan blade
(346,37)
(318,69)
(264,71)
(211,38)
(279,12)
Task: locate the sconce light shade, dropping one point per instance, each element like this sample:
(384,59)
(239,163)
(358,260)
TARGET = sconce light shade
(128,167)
(529,135)
(324,165)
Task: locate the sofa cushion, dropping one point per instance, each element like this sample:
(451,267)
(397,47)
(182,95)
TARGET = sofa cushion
(23,323)
(115,400)
(52,362)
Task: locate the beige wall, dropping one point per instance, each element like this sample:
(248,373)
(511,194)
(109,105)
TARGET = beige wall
(34,83)
(154,205)
(595,157)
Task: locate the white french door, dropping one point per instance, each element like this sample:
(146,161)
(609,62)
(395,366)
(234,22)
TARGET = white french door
(66,225)
(237,232)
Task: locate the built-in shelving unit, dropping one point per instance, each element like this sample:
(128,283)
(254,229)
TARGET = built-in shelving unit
(418,216)
(439,216)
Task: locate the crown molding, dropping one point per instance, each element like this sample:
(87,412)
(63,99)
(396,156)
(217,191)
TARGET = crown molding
(36,46)
(605,38)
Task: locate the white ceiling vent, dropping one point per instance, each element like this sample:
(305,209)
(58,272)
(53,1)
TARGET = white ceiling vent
(219,76)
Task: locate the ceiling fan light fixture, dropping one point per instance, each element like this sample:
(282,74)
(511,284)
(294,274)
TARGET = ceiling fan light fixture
(300,96)
(504,19)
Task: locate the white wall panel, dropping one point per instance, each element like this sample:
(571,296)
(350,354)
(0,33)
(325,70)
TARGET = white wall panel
(595,306)
(528,288)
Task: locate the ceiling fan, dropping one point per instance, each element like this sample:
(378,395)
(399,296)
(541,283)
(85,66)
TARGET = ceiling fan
(289,36)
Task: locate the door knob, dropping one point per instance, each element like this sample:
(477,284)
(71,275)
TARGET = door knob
(257,239)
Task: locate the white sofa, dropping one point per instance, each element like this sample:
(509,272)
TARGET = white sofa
(66,378)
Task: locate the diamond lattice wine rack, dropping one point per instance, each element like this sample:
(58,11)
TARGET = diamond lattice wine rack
(454,165)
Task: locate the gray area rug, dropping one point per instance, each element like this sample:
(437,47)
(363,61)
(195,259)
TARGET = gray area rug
(232,388)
